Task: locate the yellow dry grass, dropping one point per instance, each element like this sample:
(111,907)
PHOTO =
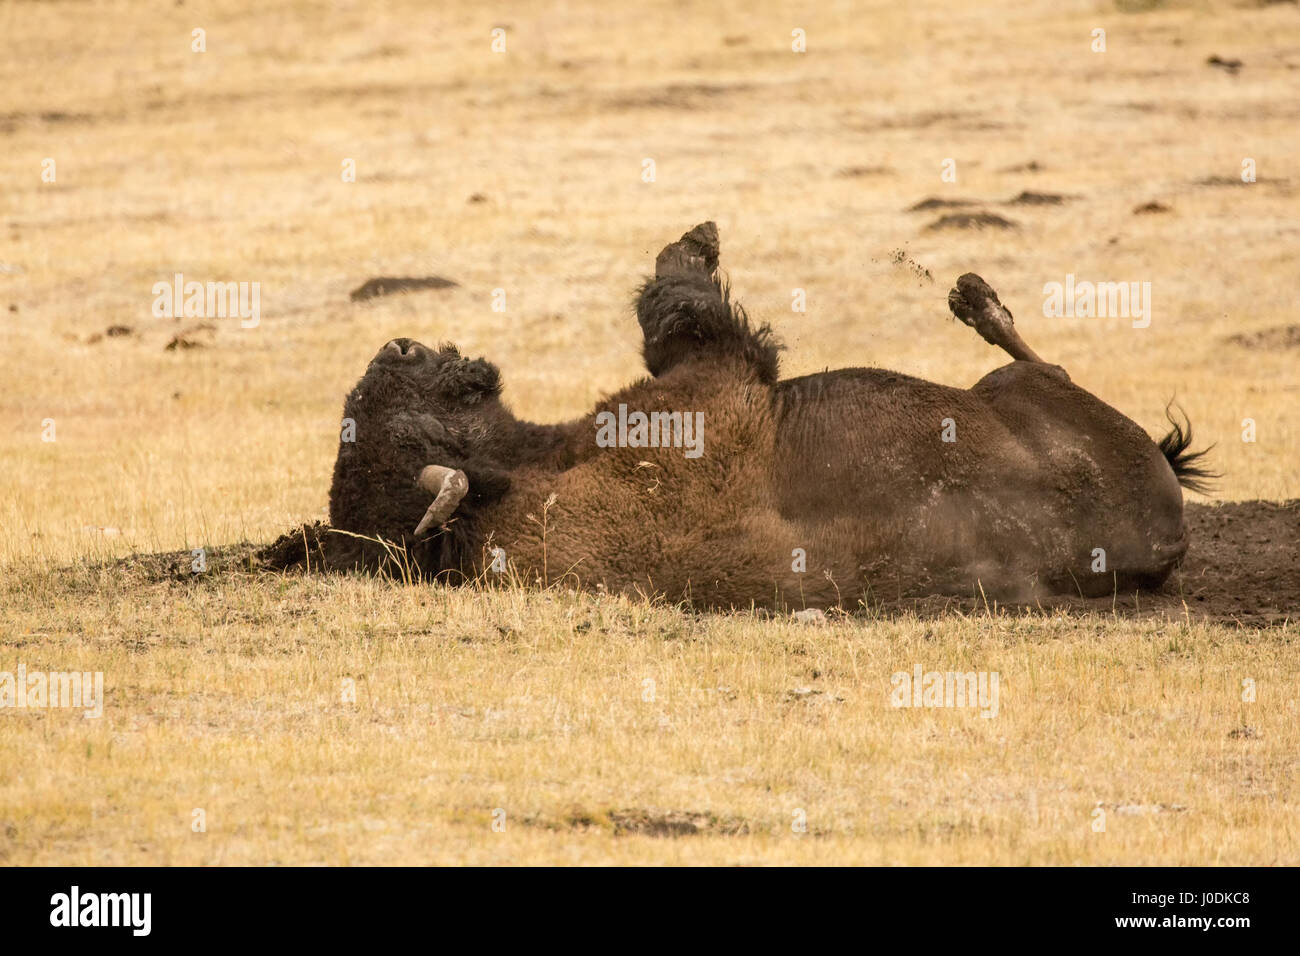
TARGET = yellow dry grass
(225,693)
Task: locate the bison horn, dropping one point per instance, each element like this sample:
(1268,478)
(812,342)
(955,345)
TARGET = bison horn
(449,486)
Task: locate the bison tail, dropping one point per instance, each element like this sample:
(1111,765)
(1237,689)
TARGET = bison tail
(1189,466)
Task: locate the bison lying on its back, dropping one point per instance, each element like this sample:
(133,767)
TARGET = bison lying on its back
(816,490)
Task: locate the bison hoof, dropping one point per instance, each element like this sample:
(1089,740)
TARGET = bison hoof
(695,251)
(974,302)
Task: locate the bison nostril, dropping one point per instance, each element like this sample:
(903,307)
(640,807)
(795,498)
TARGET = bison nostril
(403,347)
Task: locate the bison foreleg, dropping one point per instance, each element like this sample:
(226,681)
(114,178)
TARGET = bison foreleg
(686,312)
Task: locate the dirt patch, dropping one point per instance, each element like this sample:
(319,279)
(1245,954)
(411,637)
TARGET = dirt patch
(685,96)
(146,569)
(1225,181)
(642,821)
(1142,809)
(387,285)
(9,121)
(1243,567)
(112,332)
(971,220)
(859,172)
(934,202)
(1025,198)
(1278,337)
(300,548)
(954,119)
(192,338)
(1028,198)
(1228,65)
(1245,559)
(1149,208)
(674,823)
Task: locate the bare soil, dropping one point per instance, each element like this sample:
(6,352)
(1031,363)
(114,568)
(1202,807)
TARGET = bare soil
(1243,567)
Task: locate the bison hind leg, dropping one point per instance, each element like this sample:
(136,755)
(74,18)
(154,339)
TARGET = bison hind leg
(686,312)
(975,304)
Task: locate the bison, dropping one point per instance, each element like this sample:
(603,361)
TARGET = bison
(821,490)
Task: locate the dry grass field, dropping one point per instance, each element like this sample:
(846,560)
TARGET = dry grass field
(319,719)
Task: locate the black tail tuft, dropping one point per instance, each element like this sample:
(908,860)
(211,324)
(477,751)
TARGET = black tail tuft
(1189,466)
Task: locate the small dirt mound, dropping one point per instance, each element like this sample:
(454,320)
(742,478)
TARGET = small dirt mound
(189,565)
(1223,181)
(300,549)
(934,202)
(112,332)
(1028,198)
(1148,208)
(196,337)
(1229,66)
(859,172)
(971,220)
(387,285)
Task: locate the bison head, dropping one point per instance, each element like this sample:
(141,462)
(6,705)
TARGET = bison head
(424,435)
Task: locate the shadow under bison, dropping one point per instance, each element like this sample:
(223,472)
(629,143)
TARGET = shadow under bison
(852,485)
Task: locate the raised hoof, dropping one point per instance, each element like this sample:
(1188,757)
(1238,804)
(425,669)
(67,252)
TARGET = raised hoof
(974,302)
(695,251)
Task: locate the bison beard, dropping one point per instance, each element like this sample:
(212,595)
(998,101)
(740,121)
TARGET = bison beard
(815,491)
